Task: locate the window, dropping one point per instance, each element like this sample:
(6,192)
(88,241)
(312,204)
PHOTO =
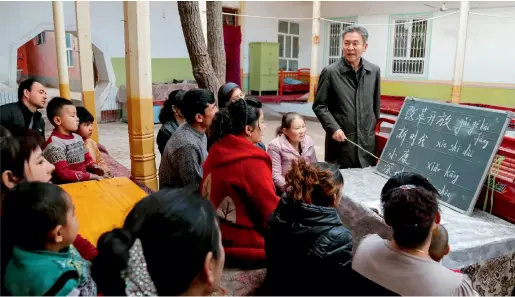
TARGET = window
(229,20)
(288,45)
(335,40)
(409,47)
(40,38)
(69,49)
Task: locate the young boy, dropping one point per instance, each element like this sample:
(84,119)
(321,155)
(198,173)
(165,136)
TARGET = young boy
(85,130)
(44,262)
(440,245)
(66,149)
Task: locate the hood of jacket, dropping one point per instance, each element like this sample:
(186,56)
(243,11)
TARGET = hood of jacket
(232,149)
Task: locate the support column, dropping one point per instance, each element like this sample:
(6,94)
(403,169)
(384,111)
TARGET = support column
(315,45)
(139,92)
(60,45)
(241,23)
(87,79)
(459,62)
(203,17)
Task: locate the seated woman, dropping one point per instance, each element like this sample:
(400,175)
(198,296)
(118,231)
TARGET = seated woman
(169,246)
(22,160)
(238,180)
(403,265)
(227,94)
(291,144)
(170,117)
(308,250)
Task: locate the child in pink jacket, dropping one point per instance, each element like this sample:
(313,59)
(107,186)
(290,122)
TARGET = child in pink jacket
(290,144)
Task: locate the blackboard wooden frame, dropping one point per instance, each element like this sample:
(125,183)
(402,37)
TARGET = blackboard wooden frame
(508,115)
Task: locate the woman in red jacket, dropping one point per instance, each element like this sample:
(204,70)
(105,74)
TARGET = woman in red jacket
(238,181)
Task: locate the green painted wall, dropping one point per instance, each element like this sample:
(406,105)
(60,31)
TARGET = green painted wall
(493,96)
(485,95)
(245,84)
(163,69)
(420,90)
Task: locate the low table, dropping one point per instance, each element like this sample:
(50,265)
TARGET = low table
(103,205)
(482,245)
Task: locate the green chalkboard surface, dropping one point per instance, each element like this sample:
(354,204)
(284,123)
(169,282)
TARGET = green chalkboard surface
(452,145)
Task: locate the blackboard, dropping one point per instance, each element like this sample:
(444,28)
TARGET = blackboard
(451,145)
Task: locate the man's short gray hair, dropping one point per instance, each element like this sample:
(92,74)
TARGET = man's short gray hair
(357,28)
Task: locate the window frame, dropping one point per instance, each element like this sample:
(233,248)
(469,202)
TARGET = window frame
(327,37)
(291,36)
(69,50)
(391,45)
(40,38)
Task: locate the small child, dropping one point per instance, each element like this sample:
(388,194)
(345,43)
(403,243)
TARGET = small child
(66,149)
(85,130)
(440,245)
(44,262)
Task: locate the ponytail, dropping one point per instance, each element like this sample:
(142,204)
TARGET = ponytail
(113,257)
(316,184)
(166,236)
(234,118)
(221,126)
(279,131)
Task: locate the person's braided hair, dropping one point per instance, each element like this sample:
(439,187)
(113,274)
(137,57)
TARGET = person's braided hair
(317,184)
(234,118)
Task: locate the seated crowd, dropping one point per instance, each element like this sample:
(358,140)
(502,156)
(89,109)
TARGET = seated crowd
(225,201)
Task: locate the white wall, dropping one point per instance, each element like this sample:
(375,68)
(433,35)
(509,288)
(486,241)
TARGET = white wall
(266,30)
(489,55)
(490,51)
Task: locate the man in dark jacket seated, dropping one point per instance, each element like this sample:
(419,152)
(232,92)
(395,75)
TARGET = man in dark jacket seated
(24,113)
(308,250)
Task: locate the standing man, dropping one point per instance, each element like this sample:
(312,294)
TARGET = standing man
(347,103)
(31,97)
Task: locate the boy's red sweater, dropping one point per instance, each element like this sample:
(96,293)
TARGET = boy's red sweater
(69,156)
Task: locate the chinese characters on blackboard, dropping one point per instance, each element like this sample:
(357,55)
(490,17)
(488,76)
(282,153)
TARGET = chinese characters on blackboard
(462,147)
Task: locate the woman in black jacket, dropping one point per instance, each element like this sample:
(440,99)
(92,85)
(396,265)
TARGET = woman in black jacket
(170,118)
(308,250)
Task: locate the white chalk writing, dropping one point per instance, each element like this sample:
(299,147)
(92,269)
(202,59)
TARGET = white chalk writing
(404,158)
(392,154)
(433,166)
(473,127)
(468,152)
(455,148)
(444,120)
(451,174)
(421,115)
(461,123)
(413,137)
(444,192)
(479,139)
(422,140)
(388,169)
(485,126)
(431,118)
(441,144)
(411,113)
(402,134)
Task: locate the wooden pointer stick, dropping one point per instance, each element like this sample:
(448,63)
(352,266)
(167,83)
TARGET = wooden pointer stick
(355,144)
